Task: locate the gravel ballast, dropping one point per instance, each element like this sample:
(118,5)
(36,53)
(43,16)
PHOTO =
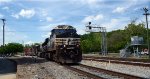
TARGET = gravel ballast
(100,74)
(128,69)
(44,70)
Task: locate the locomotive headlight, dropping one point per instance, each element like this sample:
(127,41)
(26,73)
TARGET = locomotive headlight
(77,45)
(64,45)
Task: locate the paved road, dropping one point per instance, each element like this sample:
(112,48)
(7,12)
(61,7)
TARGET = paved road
(8,69)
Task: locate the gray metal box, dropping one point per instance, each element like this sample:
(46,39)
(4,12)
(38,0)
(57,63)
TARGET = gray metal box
(135,40)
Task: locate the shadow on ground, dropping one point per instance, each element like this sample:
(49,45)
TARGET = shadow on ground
(7,66)
(28,60)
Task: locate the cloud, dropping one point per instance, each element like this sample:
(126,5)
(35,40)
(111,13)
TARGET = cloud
(1,16)
(115,24)
(11,36)
(49,19)
(80,31)
(45,28)
(5,1)
(119,10)
(15,16)
(98,17)
(91,3)
(129,4)
(112,23)
(92,18)
(5,8)
(27,13)
(29,42)
(46,35)
(43,12)
(50,26)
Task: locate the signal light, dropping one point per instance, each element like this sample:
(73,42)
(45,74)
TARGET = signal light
(77,45)
(64,45)
(90,27)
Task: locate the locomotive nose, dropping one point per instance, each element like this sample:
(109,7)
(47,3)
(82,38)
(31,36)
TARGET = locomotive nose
(71,34)
(73,54)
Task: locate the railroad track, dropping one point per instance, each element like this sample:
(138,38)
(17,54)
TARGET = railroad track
(93,72)
(120,61)
(87,74)
(123,59)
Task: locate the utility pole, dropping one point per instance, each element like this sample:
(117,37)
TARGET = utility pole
(146,14)
(3,31)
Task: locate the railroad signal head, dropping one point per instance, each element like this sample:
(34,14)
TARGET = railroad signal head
(90,27)
(145,9)
(89,23)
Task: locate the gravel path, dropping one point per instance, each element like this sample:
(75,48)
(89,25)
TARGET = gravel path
(44,70)
(60,72)
(8,76)
(129,69)
(29,69)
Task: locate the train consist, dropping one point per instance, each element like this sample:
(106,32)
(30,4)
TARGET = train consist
(62,46)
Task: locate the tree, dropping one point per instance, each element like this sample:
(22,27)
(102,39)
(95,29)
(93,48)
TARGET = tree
(116,40)
(135,30)
(12,48)
(91,42)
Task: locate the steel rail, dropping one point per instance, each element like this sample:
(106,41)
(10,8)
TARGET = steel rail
(126,76)
(92,76)
(120,62)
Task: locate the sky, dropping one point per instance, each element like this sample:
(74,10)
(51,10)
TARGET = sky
(30,21)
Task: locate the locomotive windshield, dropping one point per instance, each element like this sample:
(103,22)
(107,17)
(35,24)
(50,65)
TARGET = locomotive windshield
(64,31)
(61,31)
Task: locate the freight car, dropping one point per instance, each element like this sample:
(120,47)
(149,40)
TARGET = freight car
(62,46)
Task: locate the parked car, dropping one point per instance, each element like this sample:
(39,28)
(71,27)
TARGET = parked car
(144,52)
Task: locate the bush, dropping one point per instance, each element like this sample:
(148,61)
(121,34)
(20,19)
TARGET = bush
(11,48)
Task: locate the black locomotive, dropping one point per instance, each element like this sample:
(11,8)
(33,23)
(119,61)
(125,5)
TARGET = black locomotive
(62,46)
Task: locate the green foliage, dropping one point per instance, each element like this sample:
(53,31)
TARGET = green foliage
(135,30)
(116,40)
(91,42)
(11,48)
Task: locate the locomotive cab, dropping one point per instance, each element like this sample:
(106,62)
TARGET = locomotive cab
(63,45)
(66,44)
